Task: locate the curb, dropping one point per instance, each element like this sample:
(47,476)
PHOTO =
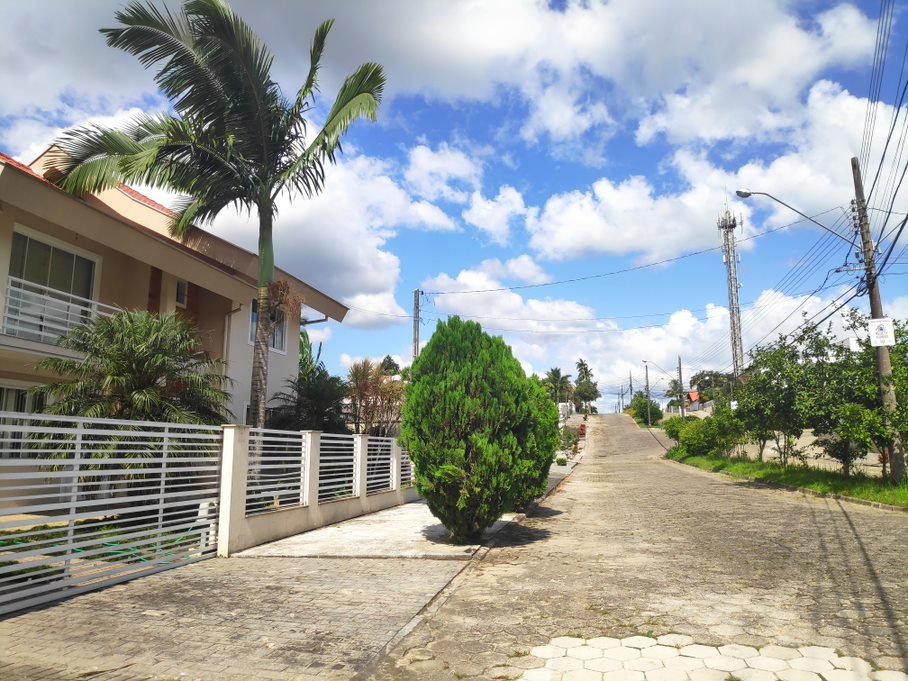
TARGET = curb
(799,490)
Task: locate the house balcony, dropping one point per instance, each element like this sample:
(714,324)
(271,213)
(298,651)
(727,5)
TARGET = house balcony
(38,313)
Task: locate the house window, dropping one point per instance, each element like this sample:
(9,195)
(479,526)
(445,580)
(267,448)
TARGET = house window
(12,440)
(45,265)
(278,339)
(182,293)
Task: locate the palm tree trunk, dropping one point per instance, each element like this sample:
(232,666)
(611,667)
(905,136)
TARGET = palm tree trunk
(258,397)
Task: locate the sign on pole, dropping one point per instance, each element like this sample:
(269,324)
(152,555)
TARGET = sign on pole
(882,332)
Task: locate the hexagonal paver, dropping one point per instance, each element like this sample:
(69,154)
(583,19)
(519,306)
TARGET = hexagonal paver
(755,675)
(547,652)
(643,664)
(797,675)
(768,664)
(697,650)
(603,664)
(725,663)
(638,642)
(582,675)
(676,640)
(780,652)
(666,675)
(623,675)
(564,664)
(584,652)
(853,663)
(567,642)
(621,653)
(887,675)
(659,652)
(845,675)
(811,664)
(604,642)
(541,675)
(817,651)
(742,652)
(686,664)
(707,675)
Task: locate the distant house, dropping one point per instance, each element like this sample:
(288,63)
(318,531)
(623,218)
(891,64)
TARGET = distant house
(64,260)
(693,400)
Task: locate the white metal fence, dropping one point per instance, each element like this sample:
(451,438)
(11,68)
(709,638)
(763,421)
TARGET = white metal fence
(44,314)
(406,469)
(277,470)
(379,471)
(337,469)
(88,503)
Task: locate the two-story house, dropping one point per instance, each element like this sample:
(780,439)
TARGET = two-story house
(65,259)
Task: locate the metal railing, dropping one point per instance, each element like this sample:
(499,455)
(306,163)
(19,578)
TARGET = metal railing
(379,471)
(44,314)
(406,469)
(89,503)
(337,467)
(277,470)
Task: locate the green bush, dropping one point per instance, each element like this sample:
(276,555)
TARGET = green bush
(640,411)
(561,461)
(480,434)
(698,437)
(673,426)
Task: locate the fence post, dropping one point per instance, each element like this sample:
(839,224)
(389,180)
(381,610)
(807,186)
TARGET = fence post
(313,446)
(234,468)
(73,502)
(395,465)
(162,487)
(360,465)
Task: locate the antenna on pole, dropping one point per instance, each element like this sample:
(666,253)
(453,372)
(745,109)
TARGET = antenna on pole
(727,224)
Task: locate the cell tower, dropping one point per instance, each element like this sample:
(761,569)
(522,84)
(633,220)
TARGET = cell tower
(727,225)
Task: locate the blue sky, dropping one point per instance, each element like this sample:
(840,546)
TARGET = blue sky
(523,143)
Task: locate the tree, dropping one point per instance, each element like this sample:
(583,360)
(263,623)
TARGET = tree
(375,398)
(389,366)
(235,140)
(712,384)
(314,400)
(585,390)
(479,432)
(639,405)
(557,385)
(137,366)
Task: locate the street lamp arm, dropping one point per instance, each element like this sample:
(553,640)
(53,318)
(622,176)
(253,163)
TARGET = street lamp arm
(746,194)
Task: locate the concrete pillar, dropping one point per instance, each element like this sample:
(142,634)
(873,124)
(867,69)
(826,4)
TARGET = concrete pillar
(395,465)
(313,440)
(234,468)
(360,449)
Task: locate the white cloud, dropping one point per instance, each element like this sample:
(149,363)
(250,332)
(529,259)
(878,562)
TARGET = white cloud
(522,268)
(319,334)
(494,216)
(446,174)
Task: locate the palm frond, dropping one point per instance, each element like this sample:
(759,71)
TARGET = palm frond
(310,86)
(358,97)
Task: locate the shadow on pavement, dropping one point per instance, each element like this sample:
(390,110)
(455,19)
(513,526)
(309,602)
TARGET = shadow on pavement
(543,512)
(520,535)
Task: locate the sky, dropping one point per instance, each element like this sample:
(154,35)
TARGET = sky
(552,170)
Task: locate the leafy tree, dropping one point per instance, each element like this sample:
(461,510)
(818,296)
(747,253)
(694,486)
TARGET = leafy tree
(712,384)
(478,431)
(558,385)
(235,139)
(640,411)
(137,366)
(585,389)
(389,366)
(314,400)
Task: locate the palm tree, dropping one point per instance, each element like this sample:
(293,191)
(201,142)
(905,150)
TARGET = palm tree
(137,366)
(314,400)
(558,385)
(235,140)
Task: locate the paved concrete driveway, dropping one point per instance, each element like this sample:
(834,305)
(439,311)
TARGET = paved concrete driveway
(636,545)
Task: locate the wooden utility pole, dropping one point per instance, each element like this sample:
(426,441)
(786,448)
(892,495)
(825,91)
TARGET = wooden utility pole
(649,417)
(630,379)
(416,293)
(680,388)
(883,363)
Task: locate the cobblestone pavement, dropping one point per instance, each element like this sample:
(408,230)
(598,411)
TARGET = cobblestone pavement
(635,545)
(226,619)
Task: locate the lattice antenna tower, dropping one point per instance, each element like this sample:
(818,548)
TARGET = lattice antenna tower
(727,226)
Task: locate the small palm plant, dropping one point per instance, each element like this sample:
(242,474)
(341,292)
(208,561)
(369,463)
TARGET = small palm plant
(137,366)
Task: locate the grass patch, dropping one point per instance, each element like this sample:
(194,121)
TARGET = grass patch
(820,481)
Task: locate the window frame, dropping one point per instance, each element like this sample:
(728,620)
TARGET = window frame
(62,245)
(282,324)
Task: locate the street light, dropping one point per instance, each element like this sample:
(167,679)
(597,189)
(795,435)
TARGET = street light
(746,194)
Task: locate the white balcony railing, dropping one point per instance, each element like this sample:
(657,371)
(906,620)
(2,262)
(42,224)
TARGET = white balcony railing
(44,314)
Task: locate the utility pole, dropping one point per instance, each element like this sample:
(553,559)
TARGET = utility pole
(649,418)
(630,378)
(727,225)
(883,363)
(621,399)
(680,388)
(416,293)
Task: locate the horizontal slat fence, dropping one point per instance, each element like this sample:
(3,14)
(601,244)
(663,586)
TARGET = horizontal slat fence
(277,470)
(406,469)
(89,503)
(379,476)
(337,469)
